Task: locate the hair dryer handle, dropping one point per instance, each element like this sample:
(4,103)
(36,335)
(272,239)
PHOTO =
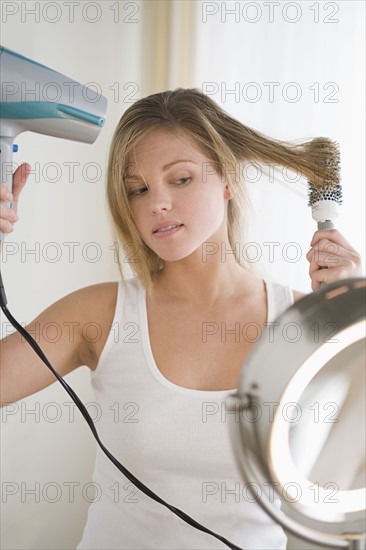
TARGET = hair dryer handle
(6,167)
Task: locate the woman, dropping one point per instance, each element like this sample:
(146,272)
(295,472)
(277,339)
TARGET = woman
(174,337)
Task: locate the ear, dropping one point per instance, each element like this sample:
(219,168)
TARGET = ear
(228,194)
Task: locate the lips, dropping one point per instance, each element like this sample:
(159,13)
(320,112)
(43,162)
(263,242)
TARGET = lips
(166,226)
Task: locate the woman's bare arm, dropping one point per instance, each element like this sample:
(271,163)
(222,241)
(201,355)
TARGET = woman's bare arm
(60,331)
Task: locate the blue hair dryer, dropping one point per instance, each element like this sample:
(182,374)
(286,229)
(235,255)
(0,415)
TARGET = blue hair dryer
(38,99)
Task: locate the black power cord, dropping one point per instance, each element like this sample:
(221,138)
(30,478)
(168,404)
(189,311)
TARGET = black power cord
(84,412)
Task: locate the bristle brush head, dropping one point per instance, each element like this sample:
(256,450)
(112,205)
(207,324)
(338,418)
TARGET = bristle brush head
(324,191)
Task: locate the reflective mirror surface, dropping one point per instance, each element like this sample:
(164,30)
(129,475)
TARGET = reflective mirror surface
(328,441)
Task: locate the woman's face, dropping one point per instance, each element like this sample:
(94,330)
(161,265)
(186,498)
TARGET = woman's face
(177,199)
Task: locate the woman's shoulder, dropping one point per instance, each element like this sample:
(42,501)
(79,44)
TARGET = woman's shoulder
(97,293)
(95,303)
(106,294)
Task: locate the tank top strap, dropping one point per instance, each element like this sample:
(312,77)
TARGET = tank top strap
(279,298)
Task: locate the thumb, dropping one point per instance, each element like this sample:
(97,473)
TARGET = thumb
(19,180)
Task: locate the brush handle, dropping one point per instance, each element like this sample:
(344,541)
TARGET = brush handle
(6,168)
(327,224)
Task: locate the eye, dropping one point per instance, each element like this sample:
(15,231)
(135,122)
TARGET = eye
(182,181)
(136,192)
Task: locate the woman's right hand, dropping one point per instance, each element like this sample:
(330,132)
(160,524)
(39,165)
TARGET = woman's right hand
(8,216)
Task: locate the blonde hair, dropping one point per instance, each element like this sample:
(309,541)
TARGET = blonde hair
(226,142)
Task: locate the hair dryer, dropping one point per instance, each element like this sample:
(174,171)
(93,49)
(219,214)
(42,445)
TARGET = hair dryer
(38,99)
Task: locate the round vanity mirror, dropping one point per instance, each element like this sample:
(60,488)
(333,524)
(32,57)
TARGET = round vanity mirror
(301,434)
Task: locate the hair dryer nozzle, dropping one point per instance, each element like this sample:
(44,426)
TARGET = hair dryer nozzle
(38,99)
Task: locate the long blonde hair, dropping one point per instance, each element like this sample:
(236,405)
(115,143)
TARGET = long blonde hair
(226,142)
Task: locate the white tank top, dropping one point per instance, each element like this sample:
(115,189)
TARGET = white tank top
(173,439)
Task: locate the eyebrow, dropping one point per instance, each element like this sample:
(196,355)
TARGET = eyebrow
(133,179)
(176,162)
(138,178)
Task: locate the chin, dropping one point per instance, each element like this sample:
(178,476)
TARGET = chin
(176,255)
(173,257)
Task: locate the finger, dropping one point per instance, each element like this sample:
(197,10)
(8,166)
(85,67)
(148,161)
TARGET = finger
(5,194)
(321,271)
(341,257)
(6,226)
(315,267)
(7,213)
(19,179)
(316,283)
(7,219)
(328,256)
(331,235)
(349,265)
(349,261)
(328,276)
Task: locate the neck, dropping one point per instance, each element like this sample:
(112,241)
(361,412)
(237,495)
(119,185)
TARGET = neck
(202,279)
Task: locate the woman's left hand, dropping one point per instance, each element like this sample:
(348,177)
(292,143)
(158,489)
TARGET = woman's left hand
(331,250)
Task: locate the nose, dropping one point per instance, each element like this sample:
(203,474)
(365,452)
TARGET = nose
(160,199)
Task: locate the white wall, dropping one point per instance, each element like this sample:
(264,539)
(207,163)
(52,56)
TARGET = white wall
(35,448)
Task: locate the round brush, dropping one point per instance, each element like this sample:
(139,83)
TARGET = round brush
(324,191)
